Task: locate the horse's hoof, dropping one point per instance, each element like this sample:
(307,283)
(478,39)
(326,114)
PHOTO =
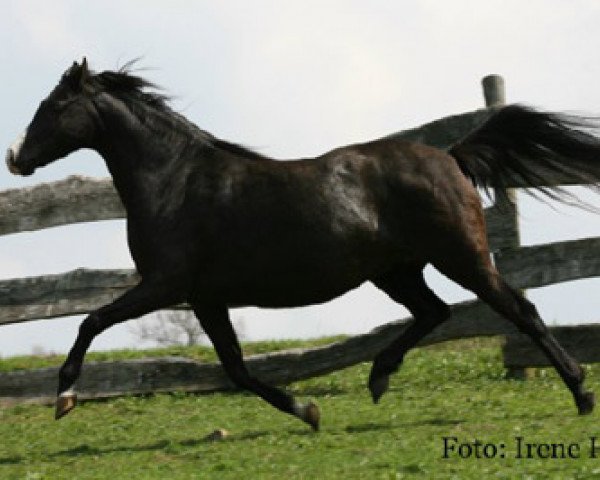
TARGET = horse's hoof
(310,414)
(218,435)
(378,386)
(586,403)
(65,402)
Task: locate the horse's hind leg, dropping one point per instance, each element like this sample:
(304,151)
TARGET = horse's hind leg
(217,325)
(406,286)
(481,277)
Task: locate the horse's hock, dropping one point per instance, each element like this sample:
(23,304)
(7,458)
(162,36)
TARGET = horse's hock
(78,199)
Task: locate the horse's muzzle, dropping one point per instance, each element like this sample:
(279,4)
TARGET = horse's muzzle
(10,162)
(14,152)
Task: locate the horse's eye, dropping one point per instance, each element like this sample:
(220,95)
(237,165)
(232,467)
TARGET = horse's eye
(54,105)
(63,103)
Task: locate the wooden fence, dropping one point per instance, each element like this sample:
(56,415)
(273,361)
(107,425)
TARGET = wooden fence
(78,199)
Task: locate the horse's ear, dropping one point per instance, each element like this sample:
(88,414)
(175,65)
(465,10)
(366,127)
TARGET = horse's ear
(84,73)
(78,75)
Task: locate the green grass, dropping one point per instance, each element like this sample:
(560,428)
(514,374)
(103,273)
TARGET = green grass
(456,389)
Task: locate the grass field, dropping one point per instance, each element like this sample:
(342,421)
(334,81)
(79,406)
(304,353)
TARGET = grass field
(456,390)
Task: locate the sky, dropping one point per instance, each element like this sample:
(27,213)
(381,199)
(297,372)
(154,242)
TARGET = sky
(295,79)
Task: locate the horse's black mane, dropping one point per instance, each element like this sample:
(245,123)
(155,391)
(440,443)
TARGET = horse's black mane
(135,90)
(132,88)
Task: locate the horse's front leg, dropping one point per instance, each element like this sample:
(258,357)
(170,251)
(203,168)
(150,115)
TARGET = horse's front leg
(217,325)
(141,299)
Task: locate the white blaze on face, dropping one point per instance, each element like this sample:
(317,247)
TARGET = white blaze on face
(13,153)
(15,148)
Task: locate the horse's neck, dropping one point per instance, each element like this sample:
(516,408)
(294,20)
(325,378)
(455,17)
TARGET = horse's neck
(143,163)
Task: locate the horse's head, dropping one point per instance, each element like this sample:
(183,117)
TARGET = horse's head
(64,122)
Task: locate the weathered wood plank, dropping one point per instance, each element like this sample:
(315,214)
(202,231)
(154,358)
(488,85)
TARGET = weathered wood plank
(81,291)
(77,292)
(72,200)
(541,265)
(111,379)
(581,341)
(445,132)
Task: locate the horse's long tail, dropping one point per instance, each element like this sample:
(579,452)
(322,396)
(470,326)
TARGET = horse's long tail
(519,145)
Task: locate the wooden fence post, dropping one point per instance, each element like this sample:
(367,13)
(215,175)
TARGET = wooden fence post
(494,92)
(495,96)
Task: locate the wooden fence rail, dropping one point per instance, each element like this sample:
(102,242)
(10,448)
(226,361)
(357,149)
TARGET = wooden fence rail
(79,199)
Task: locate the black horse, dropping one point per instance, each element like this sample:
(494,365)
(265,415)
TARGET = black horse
(216,225)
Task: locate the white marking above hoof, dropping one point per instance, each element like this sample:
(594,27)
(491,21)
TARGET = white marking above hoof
(65,402)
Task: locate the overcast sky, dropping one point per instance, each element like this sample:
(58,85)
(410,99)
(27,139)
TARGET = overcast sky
(294,79)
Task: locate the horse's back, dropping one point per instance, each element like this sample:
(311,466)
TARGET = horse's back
(425,205)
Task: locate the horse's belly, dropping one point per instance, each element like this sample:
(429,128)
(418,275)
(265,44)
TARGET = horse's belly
(291,282)
(286,294)
(299,291)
